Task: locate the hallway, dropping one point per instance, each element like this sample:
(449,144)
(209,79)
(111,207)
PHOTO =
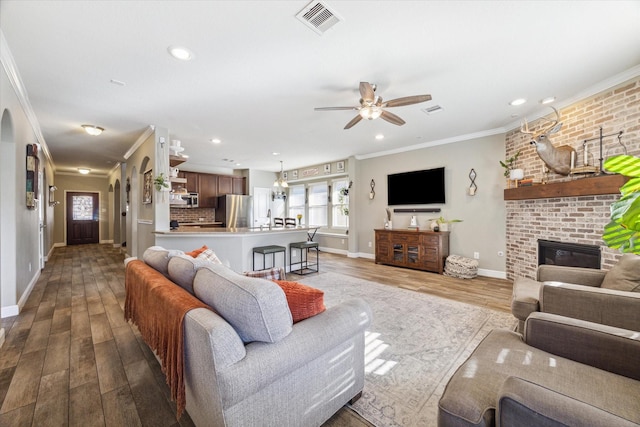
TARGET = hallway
(71,359)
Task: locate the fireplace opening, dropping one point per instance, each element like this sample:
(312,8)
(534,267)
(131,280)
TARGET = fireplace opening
(568,254)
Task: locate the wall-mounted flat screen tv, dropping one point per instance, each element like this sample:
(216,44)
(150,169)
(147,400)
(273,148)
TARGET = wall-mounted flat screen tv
(416,188)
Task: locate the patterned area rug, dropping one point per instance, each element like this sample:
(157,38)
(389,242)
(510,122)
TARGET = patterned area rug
(414,345)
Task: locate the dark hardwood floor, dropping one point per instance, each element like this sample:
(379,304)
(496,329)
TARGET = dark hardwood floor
(70,358)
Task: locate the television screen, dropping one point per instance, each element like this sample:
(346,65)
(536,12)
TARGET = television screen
(416,188)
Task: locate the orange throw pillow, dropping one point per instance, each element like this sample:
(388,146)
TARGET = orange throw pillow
(194,253)
(304,301)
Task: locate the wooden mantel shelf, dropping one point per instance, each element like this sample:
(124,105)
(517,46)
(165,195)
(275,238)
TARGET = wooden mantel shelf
(592,186)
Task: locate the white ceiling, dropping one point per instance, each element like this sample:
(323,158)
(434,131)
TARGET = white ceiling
(258,72)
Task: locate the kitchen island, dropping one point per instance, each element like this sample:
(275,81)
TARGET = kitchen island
(234,246)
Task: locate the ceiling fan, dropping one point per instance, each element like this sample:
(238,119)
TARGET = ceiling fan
(371,106)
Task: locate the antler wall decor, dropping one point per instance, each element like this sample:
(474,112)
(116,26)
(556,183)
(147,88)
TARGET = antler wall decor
(558,159)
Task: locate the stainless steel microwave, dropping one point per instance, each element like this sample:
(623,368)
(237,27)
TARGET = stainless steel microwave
(189,200)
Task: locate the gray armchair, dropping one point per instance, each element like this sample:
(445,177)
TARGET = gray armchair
(610,298)
(562,372)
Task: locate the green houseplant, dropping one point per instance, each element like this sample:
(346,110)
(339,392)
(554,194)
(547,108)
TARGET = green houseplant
(623,232)
(510,163)
(161,182)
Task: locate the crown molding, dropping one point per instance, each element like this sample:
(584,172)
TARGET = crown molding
(11,69)
(141,139)
(602,86)
(429,144)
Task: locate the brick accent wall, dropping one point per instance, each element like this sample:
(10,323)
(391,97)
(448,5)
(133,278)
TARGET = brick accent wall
(193,214)
(571,219)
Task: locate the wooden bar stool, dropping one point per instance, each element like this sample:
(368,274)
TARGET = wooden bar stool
(304,266)
(273,250)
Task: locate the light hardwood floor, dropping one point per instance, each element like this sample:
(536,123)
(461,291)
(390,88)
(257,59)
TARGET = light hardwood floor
(70,358)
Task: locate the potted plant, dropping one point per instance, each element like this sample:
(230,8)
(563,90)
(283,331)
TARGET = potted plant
(441,223)
(343,195)
(623,232)
(509,164)
(510,172)
(161,182)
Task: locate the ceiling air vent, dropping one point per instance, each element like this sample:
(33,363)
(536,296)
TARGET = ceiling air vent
(433,110)
(317,16)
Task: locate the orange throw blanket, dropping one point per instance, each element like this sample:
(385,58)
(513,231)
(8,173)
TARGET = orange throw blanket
(158,306)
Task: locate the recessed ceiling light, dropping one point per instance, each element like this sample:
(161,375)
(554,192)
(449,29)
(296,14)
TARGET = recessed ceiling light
(216,140)
(84,171)
(275,153)
(548,100)
(518,101)
(181,53)
(237,164)
(93,129)
(379,136)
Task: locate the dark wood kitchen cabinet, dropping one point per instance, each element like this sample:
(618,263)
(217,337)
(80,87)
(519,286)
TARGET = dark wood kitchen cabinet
(208,194)
(225,184)
(192,181)
(239,185)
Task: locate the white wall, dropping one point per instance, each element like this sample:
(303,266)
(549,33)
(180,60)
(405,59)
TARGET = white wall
(483,215)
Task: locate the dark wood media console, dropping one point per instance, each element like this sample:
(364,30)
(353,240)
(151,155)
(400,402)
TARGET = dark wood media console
(420,250)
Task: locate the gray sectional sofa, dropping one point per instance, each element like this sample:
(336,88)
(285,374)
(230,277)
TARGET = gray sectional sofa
(247,364)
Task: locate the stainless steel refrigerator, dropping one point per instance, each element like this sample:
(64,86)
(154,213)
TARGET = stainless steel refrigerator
(235,211)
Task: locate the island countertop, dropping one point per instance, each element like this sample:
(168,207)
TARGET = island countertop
(219,231)
(234,246)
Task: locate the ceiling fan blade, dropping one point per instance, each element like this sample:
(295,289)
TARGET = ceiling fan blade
(353,121)
(392,118)
(334,108)
(407,100)
(366,92)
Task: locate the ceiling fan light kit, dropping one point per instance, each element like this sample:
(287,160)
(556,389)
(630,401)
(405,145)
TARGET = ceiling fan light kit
(372,107)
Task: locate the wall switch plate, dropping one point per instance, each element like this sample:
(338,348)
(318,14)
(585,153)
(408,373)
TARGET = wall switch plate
(476,255)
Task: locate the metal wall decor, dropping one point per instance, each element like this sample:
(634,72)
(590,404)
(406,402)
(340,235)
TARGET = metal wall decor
(473,187)
(372,193)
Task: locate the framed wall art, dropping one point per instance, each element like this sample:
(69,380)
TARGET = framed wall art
(327,168)
(147,188)
(340,167)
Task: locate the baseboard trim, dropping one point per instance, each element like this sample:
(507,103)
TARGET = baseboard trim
(492,273)
(365,255)
(1,337)
(9,311)
(14,310)
(59,245)
(104,242)
(333,250)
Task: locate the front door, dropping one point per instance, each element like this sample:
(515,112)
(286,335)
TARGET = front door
(82,218)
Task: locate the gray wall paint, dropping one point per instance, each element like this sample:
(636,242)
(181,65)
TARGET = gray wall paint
(20,229)
(483,215)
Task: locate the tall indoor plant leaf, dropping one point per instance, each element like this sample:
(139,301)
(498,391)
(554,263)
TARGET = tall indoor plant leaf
(623,232)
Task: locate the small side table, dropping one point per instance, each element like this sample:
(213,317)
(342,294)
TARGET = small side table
(273,250)
(304,266)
